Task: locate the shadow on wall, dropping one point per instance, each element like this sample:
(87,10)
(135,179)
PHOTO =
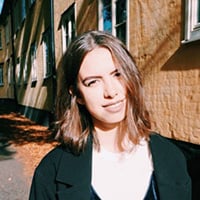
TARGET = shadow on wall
(185,58)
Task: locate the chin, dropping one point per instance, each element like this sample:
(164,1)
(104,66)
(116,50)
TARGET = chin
(114,120)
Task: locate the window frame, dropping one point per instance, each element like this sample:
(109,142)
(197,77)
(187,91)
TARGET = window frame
(192,21)
(7,32)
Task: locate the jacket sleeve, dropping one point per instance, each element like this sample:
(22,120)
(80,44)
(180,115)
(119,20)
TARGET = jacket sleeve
(170,169)
(42,187)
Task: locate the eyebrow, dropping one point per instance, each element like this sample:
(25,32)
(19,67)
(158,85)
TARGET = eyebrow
(94,77)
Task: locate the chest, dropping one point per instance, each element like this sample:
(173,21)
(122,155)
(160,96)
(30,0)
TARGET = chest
(122,176)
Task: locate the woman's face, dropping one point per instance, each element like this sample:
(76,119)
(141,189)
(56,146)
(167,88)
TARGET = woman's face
(101,89)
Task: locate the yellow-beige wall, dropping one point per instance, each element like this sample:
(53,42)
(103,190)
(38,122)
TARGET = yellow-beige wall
(171,70)
(7,90)
(86,17)
(38,94)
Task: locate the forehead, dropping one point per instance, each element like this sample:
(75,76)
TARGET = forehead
(98,60)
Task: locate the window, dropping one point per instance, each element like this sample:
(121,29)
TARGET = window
(121,13)
(18,71)
(25,68)
(33,63)
(19,13)
(47,54)
(1,39)
(7,32)
(113,17)
(68,27)
(1,74)
(107,15)
(10,71)
(30,3)
(23,10)
(16,14)
(192,20)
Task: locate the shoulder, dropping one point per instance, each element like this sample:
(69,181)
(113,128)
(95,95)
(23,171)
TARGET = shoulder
(170,168)
(47,169)
(44,182)
(50,163)
(167,157)
(60,156)
(160,143)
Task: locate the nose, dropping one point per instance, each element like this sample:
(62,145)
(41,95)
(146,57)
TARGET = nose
(110,89)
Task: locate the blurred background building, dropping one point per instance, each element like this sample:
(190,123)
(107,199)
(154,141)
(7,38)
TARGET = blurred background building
(163,37)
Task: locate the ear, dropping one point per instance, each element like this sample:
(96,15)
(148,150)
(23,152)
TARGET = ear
(71,91)
(79,99)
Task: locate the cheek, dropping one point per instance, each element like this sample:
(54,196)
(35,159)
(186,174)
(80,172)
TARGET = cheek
(92,105)
(123,87)
(90,97)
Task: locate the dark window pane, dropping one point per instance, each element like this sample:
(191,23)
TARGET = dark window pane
(121,17)
(107,15)
(120,11)
(121,32)
(1,74)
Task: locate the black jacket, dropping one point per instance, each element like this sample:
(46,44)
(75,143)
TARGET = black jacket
(65,176)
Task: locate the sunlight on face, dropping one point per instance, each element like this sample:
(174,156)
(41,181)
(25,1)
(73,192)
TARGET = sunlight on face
(101,88)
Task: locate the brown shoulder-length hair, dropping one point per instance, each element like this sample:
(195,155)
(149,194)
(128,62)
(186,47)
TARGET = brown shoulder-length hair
(74,121)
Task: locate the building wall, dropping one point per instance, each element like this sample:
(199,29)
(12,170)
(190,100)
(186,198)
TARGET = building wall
(4,88)
(36,23)
(86,17)
(7,90)
(34,97)
(60,7)
(170,69)
(38,97)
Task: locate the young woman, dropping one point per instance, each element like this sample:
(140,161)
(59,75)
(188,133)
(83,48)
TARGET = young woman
(107,150)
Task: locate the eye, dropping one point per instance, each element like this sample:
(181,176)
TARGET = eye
(117,74)
(91,83)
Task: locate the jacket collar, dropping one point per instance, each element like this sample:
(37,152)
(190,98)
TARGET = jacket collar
(76,169)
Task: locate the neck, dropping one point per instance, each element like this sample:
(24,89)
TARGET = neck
(108,138)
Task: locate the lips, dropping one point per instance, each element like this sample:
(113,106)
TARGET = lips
(114,106)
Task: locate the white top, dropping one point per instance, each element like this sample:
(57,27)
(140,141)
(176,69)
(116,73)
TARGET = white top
(122,176)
